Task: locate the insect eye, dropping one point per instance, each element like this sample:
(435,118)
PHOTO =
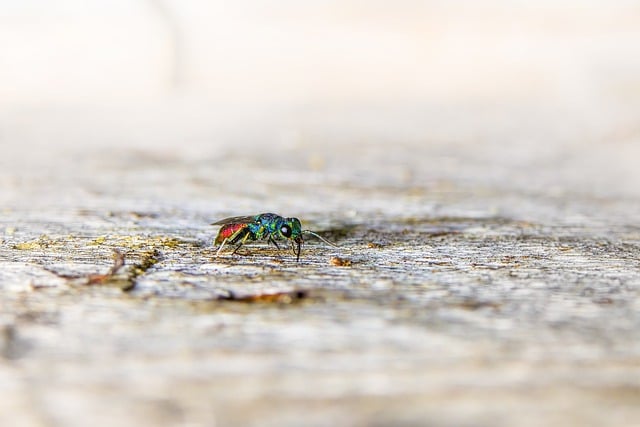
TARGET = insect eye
(285,230)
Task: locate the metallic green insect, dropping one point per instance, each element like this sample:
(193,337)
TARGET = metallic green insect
(241,229)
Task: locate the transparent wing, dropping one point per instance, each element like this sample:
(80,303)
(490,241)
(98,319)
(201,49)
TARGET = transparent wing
(235,220)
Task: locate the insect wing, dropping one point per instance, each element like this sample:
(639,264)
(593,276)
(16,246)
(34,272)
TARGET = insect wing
(235,220)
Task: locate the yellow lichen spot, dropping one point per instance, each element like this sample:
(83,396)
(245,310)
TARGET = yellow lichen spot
(99,240)
(137,242)
(170,242)
(27,246)
(40,243)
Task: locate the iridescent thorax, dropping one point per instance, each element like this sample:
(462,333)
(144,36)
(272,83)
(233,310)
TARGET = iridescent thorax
(241,229)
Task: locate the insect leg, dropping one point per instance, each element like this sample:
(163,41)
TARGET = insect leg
(274,242)
(221,246)
(244,239)
(296,251)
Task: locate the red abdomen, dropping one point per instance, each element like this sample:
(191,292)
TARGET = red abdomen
(227,231)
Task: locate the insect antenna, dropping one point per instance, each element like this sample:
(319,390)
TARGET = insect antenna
(319,237)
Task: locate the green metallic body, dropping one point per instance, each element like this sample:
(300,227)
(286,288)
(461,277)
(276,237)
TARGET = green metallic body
(238,230)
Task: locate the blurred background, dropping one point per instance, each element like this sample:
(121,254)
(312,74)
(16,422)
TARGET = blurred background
(515,85)
(580,57)
(94,52)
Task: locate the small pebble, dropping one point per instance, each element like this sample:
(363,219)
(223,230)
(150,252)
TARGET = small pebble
(340,262)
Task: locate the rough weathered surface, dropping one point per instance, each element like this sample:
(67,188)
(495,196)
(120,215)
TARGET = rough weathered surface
(476,162)
(483,278)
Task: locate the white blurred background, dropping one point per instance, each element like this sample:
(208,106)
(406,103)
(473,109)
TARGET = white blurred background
(91,52)
(193,75)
